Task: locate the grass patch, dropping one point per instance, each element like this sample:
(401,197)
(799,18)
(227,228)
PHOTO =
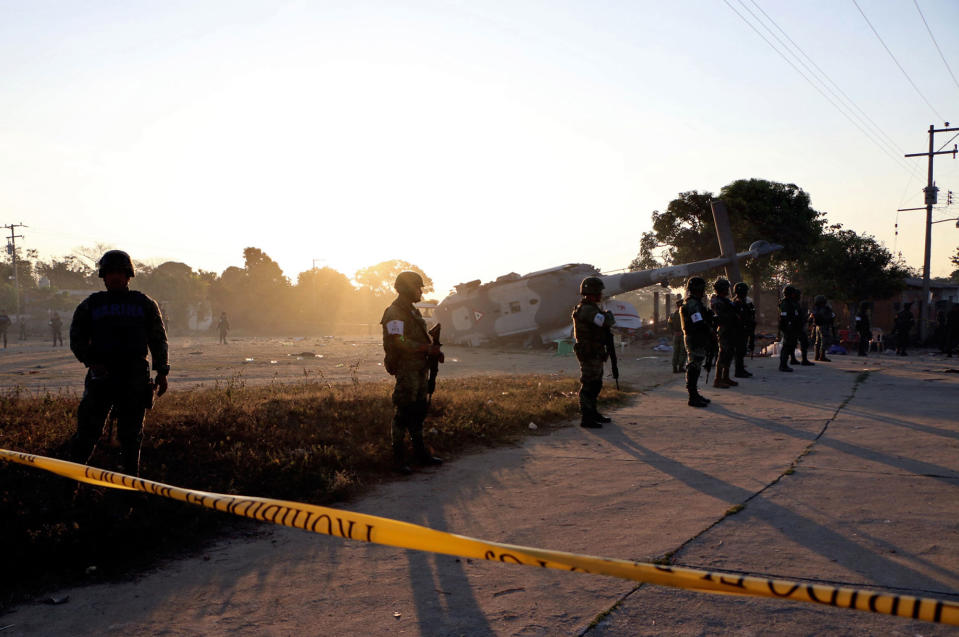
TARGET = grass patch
(312,442)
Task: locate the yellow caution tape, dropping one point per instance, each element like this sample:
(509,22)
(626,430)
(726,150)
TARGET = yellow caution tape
(377,530)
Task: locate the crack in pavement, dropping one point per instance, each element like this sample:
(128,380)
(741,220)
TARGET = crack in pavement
(667,559)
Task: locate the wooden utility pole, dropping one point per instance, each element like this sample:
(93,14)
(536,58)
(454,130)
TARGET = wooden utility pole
(931,198)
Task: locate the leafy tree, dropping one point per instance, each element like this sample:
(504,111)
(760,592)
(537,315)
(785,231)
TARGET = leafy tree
(68,273)
(851,268)
(177,288)
(758,209)
(321,293)
(378,279)
(955,261)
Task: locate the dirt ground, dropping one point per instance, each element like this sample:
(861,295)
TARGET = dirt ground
(36,366)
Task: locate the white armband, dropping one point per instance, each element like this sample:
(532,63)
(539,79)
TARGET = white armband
(782,314)
(599,319)
(696,317)
(394,327)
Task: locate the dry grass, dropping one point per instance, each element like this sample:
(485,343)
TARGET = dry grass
(312,441)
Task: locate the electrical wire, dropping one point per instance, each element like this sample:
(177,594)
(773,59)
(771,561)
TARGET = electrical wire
(828,79)
(896,159)
(948,68)
(928,103)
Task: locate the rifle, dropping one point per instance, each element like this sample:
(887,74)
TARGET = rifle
(434,363)
(611,348)
(710,359)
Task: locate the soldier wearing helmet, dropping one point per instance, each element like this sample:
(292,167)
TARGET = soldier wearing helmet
(698,336)
(902,328)
(590,328)
(675,326)
(823,319)
(728,331)
(407,344)
(746,311)
(791,325)
(111,333)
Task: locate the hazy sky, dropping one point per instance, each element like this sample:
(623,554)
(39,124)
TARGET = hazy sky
(470,138)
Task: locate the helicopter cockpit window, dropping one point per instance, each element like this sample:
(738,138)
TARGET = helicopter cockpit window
(514,307)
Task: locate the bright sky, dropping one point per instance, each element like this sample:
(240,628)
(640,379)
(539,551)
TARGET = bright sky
(472,138)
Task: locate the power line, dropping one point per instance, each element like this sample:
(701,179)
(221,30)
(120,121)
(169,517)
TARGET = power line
(898,160)
(889,140)
(948,68)
(928,103)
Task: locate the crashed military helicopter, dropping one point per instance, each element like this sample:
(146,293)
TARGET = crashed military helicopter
(535,308)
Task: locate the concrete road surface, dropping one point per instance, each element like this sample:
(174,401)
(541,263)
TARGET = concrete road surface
(846,472)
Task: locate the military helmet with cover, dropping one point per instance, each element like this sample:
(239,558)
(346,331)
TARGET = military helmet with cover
(721,285)
(115,261)
(741,289)
(790,290)
(820,299)
(407,282)
(696,283)
(592,285)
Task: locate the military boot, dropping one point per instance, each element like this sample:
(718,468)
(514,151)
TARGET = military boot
(742,373)
(824,359)
(130,461)
(420,450)
(695,400)
(783,367)
(720,381)
(729,381)
(398,442)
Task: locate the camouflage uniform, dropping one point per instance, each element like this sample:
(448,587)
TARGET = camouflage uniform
(110,334)
(791,325)
(56,329)
(590,328)
(728,331)
(823,318)
(405,338)
(223,327)
(746,311)
(4,325)
(902,328)
(675,325)
(699,339)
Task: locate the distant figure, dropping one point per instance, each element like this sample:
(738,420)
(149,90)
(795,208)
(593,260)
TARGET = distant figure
(591,327)
(698,335)
(22,324)
(902,327)
(110,334)
(728,329)
(223,327)
(407,345)
(56,328)
(4,326)
(952,328)
(863,328)
(675,325)
(791,325)
(823,319)
(747,322)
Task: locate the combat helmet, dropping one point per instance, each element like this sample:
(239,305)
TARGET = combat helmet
(819,300)
(115,261)
(407,282)
(721,285)
(790,290)
(592,285)
(741,289)
(696,284)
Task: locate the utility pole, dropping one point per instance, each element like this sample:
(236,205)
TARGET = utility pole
(12,249)
(931,198)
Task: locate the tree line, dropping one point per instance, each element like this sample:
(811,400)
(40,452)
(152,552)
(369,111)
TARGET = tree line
(257,297)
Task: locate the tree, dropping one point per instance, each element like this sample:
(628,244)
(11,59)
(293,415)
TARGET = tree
(68,273)
(851,268)
(758,209)
(955,261)
(178,289)
(378,279)
(321,293)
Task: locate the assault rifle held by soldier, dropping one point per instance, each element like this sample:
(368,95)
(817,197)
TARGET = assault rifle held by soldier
(434,363)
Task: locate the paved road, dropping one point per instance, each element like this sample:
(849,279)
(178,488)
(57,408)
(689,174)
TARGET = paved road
(847,472)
